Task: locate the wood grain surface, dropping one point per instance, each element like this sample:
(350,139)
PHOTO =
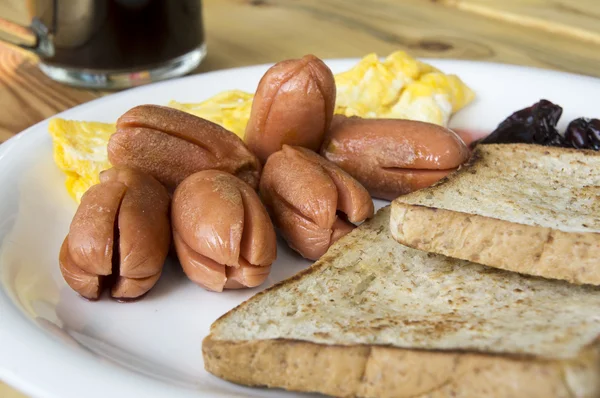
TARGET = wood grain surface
(578,19)
(555,34)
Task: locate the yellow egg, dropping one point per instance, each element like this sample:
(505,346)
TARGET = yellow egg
(80,151)
(400,87)
(412,68)
(458,93)
(432,98)
(230,109)
(434,108)
(368,88)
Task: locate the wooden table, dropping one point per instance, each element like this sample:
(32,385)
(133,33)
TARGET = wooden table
(555,34)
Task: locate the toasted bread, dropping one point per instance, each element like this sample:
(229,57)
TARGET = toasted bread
(523,208)
(373,318)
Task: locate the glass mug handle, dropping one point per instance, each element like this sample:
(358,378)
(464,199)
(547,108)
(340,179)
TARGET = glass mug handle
(35,38)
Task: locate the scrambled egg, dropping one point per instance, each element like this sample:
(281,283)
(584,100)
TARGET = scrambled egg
(80,152)
(372,87)
(230,109)
(398,87)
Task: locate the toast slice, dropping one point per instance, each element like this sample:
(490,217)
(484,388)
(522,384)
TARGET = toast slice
(373,318)
(524,208)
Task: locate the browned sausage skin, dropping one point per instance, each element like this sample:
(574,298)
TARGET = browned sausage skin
(392,157)
(223,235)
(119,237)
(144,226)
(293,105)
(170,145)
(305,194)
(85,283)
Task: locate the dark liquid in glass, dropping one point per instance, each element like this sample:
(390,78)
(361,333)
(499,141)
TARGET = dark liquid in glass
(130,34)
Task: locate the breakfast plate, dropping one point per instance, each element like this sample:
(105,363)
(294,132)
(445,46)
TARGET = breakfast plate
(55,344)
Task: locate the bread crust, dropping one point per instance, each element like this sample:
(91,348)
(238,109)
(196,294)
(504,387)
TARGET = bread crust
(523,208)
(526,249)
(377,371)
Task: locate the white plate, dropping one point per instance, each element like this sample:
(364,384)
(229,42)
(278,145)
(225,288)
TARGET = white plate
(55,344)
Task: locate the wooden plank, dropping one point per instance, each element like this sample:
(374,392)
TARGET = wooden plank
(18,11)
(27,96)
(240,32)
(578,19)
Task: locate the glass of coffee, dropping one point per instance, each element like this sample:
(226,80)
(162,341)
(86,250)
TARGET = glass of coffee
(111,44)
